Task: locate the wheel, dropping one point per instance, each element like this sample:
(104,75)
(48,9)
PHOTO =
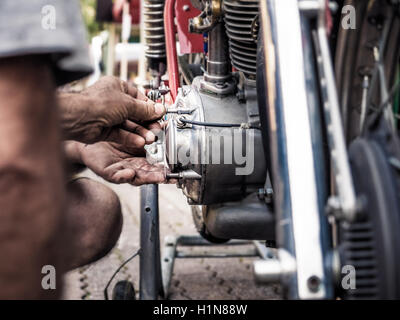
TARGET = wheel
(150,258)
(372,244)
(123,290)
(367,70)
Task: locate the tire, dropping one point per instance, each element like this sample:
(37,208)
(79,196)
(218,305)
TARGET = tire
(123,290)
(371,245)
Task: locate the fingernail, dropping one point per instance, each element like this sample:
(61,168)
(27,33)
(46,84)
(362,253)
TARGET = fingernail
(150,137)
(160,109)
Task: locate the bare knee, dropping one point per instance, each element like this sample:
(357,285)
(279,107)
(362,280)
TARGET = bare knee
(94,221)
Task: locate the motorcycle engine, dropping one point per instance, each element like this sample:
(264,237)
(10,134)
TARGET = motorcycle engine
(213,142)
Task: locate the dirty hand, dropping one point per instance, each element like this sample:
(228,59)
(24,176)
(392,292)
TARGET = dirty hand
(116,166)
(101,112)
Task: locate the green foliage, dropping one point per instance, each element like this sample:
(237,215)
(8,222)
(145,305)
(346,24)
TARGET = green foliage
(88,8)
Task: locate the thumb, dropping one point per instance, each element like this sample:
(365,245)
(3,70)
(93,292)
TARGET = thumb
(140,110)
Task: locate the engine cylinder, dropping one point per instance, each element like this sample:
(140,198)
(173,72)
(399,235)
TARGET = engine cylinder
(153,16)
(241,21)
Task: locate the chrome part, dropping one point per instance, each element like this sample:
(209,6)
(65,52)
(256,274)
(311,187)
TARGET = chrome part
(276,269)
(218,77)
(180,111)
(341,166)
(365,86)
(241,21)
(335,266)
(305,211)
(300,217)
(212,152)
(184,175)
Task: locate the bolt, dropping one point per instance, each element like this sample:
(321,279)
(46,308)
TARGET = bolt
(313,283)
(186,7)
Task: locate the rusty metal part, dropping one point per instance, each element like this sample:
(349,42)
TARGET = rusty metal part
(208,18)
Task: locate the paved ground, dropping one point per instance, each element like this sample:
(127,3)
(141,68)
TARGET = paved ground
(192,278)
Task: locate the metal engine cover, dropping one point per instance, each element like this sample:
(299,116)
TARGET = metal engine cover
(228,162)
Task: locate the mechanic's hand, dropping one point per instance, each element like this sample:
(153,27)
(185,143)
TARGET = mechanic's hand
(109,162)
(133,137)
(100,112)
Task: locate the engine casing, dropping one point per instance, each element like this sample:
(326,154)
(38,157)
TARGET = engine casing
(229,161)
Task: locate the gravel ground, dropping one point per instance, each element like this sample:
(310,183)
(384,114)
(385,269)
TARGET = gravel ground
(192,278)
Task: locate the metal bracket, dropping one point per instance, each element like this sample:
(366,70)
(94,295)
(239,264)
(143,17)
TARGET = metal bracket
(341,167)
(171,252)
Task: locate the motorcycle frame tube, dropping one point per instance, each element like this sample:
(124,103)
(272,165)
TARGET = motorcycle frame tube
(170,47)
(301,225)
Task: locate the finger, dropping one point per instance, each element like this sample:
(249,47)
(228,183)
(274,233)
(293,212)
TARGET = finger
(126,139)
(119,173)
(156,125)
(133,127)
(148,177)
(156,129)
(139,110)
(123,176)
(163,124)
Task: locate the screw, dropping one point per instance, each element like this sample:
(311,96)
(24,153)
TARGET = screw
(186,7)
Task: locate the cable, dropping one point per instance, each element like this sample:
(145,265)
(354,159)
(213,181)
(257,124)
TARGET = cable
(219,125)
(116,272)
(392,93)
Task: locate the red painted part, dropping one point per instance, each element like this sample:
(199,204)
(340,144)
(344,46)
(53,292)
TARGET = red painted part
(134,10)
(329,19)
(170,46)
(188,42)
